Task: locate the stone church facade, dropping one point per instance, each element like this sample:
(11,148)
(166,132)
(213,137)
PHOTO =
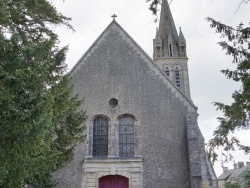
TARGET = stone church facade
(142,129)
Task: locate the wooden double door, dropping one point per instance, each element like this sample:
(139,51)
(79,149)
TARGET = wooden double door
(115,181)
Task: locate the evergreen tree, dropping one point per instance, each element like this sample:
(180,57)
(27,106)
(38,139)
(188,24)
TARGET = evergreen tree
(231,185)
(236,115)
(247,180)
(40,118)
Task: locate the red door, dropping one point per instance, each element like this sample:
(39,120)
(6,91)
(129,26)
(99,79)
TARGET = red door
(113,182)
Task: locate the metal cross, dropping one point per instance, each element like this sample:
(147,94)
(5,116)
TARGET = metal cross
(114,16)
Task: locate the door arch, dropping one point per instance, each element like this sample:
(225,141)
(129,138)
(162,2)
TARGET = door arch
(113,181)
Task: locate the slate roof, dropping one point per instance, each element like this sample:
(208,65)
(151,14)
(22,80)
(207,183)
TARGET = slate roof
(237,172)
(233,173)
(225,175)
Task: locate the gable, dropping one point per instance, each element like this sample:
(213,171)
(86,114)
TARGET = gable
(117,55)
(116,67)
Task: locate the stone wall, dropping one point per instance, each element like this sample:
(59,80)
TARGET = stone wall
(201,170)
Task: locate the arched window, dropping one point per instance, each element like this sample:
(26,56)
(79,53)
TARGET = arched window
(100,137)
(167,71)
(170,50)
(177,77)
(126,136)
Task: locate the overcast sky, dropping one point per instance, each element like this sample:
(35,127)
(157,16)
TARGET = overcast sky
(206,59)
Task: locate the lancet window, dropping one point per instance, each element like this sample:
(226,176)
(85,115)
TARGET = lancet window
(177,77)
(170,50)
(167,71)
(100,137)
(126,136)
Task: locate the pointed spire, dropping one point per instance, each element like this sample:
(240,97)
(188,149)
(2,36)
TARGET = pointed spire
(157,45)
(181,36)
(157,36)
(182,44)
(168,30)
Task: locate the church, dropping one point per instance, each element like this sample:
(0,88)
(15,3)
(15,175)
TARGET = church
(142,129)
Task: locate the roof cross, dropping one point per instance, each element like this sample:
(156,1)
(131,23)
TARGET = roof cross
(114,16)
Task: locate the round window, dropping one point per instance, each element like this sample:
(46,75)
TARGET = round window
(113,103)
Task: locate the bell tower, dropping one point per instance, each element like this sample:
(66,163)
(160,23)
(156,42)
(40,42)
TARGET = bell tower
(170,50)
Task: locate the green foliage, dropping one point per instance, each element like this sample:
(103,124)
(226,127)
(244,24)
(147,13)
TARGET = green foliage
(236,115)
(40,117)
(231,185)
(247,180)
(153,6)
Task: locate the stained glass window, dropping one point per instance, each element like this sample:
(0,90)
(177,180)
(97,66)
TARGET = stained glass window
(126,137)
(100,137)
(177,77)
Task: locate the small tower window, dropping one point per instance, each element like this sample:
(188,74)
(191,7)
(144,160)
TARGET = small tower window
(100,137)
(126,136)
(167,71)
(177,77)
(170,50)
(183,51)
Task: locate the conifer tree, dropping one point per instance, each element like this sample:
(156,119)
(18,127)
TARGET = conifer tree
(236,116)
(247,180)
(231,185)
(40,117)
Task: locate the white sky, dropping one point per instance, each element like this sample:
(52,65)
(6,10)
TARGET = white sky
(206,59)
